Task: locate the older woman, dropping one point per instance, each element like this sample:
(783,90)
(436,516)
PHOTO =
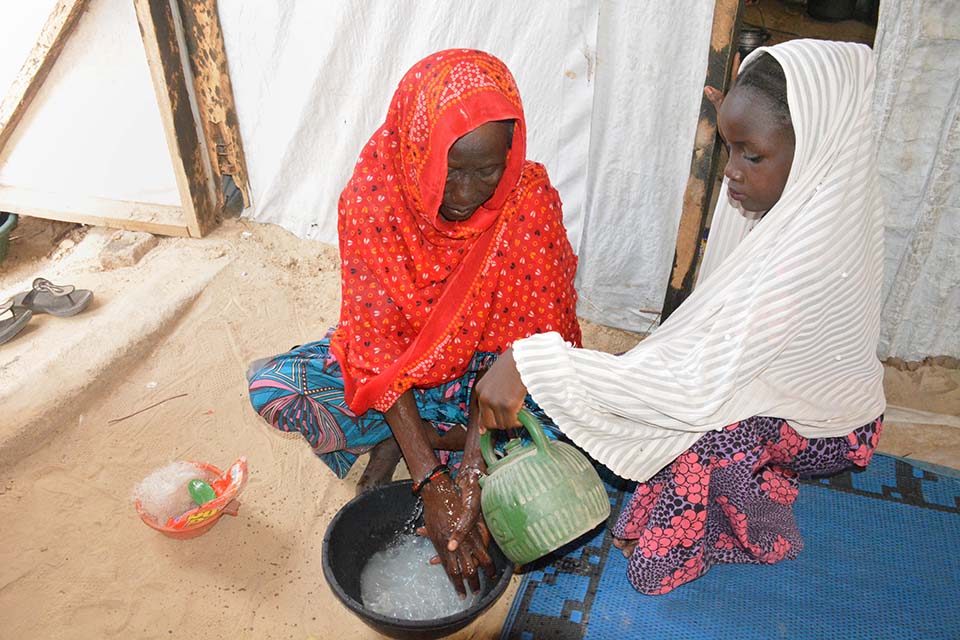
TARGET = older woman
(452,246)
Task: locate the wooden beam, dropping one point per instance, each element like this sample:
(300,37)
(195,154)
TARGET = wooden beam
(706,156)
(190,163)
(214,91)
(160,219)
(34,71)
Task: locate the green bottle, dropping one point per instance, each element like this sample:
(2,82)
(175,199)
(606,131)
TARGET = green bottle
(539,496)
(201,492)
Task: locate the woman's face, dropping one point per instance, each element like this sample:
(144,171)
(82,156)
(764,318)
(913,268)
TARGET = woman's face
(475,164)
(760,148)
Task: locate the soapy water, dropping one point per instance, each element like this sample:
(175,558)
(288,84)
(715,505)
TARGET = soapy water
(400,582)
(164,494)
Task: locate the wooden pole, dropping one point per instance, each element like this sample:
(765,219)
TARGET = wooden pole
(34,71)
(706,156)
(211,81)
(195,182)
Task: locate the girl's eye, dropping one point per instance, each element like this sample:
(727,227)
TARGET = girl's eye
(753,159)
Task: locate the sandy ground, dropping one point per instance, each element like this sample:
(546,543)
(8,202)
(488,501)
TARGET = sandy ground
(76,562)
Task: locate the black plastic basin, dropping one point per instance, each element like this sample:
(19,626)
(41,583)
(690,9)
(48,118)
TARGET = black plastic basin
(366,525)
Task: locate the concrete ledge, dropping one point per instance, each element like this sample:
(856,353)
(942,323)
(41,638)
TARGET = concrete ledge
(46,370)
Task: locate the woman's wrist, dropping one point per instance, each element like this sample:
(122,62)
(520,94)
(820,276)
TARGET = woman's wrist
(469,472)
(404,420)
(430,478)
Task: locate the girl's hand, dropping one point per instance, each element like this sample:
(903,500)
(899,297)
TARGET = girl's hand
(500,394)
(714,95)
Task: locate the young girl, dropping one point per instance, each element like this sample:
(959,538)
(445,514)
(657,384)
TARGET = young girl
(769,369)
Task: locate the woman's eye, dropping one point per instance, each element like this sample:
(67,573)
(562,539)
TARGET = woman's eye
(753,159)
(489,172)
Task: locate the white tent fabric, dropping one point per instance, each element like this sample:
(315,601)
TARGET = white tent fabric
(646,105)
(918,118)
(312,81)
(94,127)
(611,89)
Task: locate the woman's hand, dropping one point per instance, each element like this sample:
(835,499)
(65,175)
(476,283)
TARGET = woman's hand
(468,480)
(470,537)
(441,502)
(500,394)
(468,486)
(442,510)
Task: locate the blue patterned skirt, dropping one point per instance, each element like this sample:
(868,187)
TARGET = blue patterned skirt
(302,391)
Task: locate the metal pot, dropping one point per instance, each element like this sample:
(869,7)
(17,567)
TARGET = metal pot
(751,38)
(831,10)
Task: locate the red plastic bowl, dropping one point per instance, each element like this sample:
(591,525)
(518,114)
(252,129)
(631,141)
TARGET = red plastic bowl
(199,520)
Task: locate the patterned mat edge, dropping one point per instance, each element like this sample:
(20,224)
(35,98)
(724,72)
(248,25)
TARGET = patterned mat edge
(908,490)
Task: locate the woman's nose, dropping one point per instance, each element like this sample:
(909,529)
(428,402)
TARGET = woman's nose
(462,192)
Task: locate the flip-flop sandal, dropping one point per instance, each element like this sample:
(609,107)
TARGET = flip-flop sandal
(12,320)
(57,300)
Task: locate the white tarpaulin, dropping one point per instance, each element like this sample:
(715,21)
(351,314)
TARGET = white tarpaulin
(94,127)
(611,90)
(652,62)
(312,81)
(918,118)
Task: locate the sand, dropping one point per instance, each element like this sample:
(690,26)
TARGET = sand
(76,562)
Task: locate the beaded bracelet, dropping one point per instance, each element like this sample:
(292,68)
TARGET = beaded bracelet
(438,471)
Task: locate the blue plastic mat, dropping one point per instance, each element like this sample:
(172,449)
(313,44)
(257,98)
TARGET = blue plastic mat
(882,560)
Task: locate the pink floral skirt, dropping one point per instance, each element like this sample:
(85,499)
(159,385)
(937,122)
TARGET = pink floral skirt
(729,499)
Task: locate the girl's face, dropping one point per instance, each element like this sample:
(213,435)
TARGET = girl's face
(760,149)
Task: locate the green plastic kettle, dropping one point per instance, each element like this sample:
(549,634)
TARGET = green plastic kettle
(539,496)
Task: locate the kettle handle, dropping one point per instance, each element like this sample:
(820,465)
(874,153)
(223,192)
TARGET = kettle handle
(529,421)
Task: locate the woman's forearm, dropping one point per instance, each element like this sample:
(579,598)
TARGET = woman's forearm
(407,426)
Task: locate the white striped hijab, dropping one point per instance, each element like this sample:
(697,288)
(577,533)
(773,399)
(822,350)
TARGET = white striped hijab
(785,318)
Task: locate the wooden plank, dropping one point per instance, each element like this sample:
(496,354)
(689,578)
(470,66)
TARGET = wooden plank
(190,163)
(159,219)
(34,71)
(214,91)
(706,156)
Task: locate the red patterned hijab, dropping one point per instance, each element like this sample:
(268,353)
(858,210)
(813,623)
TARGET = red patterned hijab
(420,294)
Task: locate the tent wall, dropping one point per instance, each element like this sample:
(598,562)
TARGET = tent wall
(313,80)
(611,89)
(918,119)
(652,63)
(611,92)
(94,127)
(112,134)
